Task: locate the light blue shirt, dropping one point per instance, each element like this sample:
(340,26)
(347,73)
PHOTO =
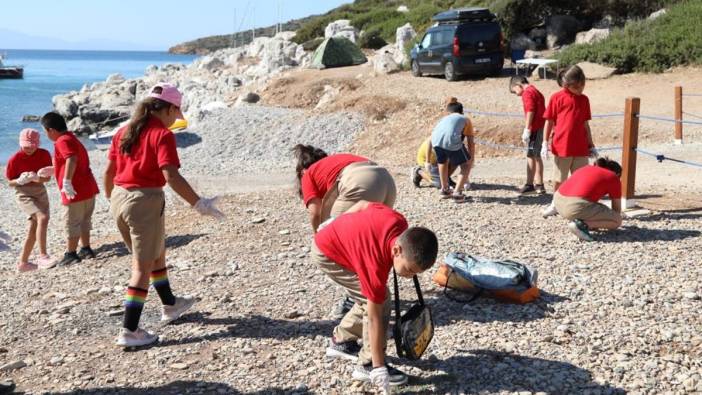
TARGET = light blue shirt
(448,133)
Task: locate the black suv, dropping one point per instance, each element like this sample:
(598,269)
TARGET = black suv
(462,41)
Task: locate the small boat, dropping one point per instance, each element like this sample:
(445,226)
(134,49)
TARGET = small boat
(14,72)
(103,140)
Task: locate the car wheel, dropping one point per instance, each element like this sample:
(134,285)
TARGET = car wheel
(415,69)
(449,72)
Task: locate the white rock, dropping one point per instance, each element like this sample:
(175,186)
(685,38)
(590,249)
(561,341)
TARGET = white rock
(594,71)
(113,79)
(403,9)
(385,64)
(591,36)
(330,94)
(13,366)
(657,14)
(691,295)
(403,35)
(341,28)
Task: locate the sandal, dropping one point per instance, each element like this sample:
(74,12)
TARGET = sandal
(458,197)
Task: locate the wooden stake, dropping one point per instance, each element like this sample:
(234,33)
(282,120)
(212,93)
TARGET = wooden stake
(629,145)
(678,115)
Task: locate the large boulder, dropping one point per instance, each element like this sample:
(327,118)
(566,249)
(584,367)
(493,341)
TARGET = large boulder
(65,106)
(385,64)
(257,46)
(403,35)
(561,30)
(114,79)
(594,71)
(341,28)
(211,63)
(657,14)
(538,36)
(591,36)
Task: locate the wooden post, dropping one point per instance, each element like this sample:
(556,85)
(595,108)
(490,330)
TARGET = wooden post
(678,115)
(629,144)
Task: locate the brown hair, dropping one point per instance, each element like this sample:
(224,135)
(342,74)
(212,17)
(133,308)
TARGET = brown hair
(419,246)
(306,156)
(571,76)
(609,164)
(517,80)
(138,121)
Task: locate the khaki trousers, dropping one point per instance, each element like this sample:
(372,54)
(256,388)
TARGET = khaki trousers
(354,325)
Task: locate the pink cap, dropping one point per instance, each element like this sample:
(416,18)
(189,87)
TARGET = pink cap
(169,93)
(29,138)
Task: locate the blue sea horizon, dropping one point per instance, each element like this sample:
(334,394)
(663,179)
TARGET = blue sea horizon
(51,72)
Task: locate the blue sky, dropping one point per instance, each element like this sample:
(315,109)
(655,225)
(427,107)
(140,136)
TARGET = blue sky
(139,24)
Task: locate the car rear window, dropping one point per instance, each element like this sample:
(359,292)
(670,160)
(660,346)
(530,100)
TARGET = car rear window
(474,32)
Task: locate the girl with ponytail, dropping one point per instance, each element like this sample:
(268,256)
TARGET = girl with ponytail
(142,159)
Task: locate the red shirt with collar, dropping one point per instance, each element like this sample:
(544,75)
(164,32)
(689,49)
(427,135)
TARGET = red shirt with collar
(154,150)
(362,243)
(66,146)
(534,101)
(569,112)
(21,162)
(321,176)
(592,183)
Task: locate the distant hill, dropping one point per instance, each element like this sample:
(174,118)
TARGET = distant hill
(209,44)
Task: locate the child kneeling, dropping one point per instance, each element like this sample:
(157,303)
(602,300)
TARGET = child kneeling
(577,198)
(357,250)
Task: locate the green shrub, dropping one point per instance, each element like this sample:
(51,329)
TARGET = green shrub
(648,46)
(312,44)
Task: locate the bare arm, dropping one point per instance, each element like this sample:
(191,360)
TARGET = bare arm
(109,178)
(180,185)
(314,208)
(589,134)
(617,205)
(71,163)
(376,333)
(429,148)
(528,119)
(547,131)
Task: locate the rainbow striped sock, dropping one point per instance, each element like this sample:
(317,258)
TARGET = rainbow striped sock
(159,280)
(133,305)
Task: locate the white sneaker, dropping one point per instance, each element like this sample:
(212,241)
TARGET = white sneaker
(137,338)
(549,211)
(172,313)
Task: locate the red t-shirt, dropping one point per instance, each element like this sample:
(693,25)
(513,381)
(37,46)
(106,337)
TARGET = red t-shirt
(83,181)
(569,112)
(592,183)
(362,243)
(322,175)
(534,102)
(21,162)
(141,168)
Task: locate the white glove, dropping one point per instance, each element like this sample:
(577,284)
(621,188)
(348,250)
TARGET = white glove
(325,223)
(526,136)
(26,177)
(206,206)
(380,378)
(46,172)
(68,190)
(544,152)
(594,153)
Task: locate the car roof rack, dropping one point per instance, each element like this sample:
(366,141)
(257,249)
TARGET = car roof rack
(472,14)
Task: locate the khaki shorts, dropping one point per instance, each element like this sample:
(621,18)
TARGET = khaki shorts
(140,220)
(578,208)
(359,181)
(79,217)
(566,165)
(32,199)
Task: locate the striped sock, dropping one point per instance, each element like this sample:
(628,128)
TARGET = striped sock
(159,280)
(133,305)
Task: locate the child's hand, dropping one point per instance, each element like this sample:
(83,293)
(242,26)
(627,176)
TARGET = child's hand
(544,152)
(526,136)
(206,206)
(46,172)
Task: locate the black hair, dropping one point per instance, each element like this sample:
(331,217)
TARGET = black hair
(455,107)
(571,76)
(53,120)
(517,80)
(306,156)
(610,165)
(419,246)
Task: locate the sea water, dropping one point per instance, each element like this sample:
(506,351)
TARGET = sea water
(49,73)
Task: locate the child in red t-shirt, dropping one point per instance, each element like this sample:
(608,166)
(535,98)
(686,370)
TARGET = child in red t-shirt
(27,171)
(577,198)
(533,134)
(77,186)
(357,250)
(567,116)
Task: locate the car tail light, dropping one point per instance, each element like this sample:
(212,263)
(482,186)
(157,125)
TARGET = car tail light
(456,47)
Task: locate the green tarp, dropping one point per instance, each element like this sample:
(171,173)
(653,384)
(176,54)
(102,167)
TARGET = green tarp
(337,52)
